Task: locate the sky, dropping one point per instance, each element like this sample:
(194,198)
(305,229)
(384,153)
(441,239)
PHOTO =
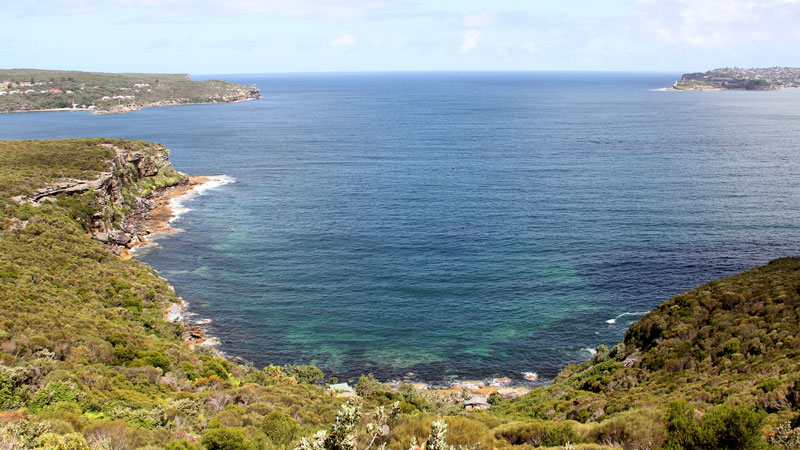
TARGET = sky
(277,36)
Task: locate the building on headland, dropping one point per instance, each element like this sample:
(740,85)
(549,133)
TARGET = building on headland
(342,390)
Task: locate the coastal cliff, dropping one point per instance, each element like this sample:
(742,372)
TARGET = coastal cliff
(122,195)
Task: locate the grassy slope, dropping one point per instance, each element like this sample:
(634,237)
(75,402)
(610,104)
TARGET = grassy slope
(84,348)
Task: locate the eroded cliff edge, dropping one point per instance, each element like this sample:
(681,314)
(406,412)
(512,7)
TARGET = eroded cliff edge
(120,199)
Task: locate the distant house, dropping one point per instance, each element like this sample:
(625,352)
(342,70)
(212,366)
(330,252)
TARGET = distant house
(476,404)
(55,91)
(342,390)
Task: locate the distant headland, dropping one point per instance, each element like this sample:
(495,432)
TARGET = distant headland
(24,90)
(735,78)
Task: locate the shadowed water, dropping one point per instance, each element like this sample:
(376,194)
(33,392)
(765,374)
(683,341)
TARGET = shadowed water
(460,224)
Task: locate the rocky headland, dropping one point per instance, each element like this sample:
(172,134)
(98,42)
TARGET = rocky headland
(132,200)
(26,90)
(747,79)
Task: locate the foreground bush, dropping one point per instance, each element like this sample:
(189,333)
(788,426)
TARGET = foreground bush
(638,429)
(538,433)
(723,428)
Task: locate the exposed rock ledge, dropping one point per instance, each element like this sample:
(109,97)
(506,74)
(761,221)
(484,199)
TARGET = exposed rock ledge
(127,168)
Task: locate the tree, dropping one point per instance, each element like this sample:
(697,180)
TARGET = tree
(304,374)
(368,386)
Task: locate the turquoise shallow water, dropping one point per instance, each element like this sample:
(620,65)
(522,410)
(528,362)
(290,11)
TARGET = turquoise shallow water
(460,224)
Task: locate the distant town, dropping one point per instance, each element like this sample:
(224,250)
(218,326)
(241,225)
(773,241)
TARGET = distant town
(734,78)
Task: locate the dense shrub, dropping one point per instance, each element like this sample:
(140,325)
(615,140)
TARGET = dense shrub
(180,444)
(280,428)
(367,386)
(226,438)
(304,374)
(637,429)
(723,428)
(538,433)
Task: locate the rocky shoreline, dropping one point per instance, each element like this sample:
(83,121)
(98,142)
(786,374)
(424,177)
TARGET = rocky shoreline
(157,220)
(122,109)
(147,214)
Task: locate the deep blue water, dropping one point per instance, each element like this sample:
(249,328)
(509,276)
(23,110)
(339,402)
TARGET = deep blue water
(460,224)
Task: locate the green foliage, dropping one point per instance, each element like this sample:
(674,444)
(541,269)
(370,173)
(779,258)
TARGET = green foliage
(55,392)
(538,433)
(304,374)
(368,386)
(633,429)
(226,438)
(723,428)
(28,165)
(70,441)
(280,428)
(180,444)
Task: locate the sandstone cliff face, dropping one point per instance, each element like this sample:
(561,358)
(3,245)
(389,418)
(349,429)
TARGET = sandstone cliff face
(123,199)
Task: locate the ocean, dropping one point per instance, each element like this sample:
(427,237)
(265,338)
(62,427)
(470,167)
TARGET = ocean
(459,225)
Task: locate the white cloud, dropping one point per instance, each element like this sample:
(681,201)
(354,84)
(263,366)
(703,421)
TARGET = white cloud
(530,47)
(479,20)
(469,41)
(712,23)
(345,40)
(331,9)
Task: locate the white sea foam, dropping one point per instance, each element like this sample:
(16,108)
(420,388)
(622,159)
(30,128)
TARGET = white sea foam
(591,351)
(530,376)
(633,314)
(177,204)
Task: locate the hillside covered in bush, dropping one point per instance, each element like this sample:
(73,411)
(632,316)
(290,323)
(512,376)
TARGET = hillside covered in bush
(88,360)
(32,89)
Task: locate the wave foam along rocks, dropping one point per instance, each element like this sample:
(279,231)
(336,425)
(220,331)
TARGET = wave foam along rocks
(634,314)
(176,204)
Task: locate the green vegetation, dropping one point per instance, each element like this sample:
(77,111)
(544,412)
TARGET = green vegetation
(87,360)
(31,89)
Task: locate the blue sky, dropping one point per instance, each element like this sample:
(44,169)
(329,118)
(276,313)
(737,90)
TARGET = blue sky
(260,36)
